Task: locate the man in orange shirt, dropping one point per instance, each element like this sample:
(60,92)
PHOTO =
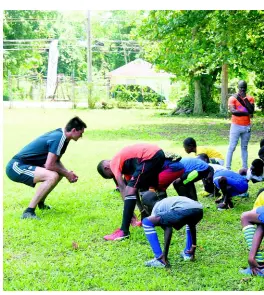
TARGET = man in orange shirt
(242,108)
(146,161)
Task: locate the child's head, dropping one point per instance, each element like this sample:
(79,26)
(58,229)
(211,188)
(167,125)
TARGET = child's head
(203,157)
(257,167)
(149,199)
(104,169)
(261,143)
(189,145)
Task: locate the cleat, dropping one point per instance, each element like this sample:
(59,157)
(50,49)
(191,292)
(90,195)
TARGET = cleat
(43,206)
(29,215)
(116,235)
(186,257)
(248,271)
(155,263)
(244,195)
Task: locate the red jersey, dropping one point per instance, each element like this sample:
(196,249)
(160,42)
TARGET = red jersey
(140,151)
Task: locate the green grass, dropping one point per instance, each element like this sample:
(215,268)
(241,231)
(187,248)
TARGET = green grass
(38,255)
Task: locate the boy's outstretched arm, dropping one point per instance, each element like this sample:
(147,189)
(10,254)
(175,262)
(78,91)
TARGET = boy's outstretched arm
(258,236)
(167,241)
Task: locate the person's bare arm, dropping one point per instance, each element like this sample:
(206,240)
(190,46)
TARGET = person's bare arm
(54,164)
(235,112)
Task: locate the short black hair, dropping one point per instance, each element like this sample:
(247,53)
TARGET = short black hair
(261,152)
(258,166)
(149,199)
(261,143)
(242,84)
(203,157)
(189,141)
(76,123)
(100,169)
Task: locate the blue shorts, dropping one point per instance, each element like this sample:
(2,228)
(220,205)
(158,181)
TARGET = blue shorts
(237,182)
(20,172)
(260,211)
(179,218)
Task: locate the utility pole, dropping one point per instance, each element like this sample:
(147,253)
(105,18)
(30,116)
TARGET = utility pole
(89,49)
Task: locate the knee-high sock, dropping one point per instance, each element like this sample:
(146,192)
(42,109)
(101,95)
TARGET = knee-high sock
(129,207)
(188,239)
(249,232)
(152,236)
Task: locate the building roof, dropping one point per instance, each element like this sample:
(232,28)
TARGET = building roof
(139,68)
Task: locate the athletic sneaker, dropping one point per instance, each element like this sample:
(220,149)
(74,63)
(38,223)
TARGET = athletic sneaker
(224,206)
(244,195)
(43,206)
(155,263)
(116,235)
(135,222)
(248,271)
(30,215)
(186,257)
(219,200)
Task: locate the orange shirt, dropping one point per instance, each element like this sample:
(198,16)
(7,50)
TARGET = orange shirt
(141,151)
(243,120)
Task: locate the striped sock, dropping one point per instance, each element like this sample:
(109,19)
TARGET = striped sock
(249,232)
(152,237)
(188,239)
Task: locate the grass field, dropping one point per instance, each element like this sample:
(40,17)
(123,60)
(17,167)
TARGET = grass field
(38,255)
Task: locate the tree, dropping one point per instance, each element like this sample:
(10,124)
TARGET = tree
(195,45)
(20,29)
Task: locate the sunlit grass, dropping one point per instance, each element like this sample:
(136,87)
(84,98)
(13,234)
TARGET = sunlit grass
(38,255)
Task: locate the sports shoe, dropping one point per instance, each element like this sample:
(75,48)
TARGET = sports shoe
(43,206)
(116,235)
(224,206)
(186,257)
(134,222)
(219,200)
(30,215)
(244,195)
(248,271)
(155,263)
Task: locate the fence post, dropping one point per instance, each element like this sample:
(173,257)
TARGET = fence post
(10,89)
(41,91)
(73,91)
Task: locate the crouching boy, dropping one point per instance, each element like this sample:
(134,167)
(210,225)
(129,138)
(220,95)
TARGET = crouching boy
(253,229)
(171,212)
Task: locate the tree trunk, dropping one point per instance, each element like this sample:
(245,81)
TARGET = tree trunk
(198,107)
(224,89)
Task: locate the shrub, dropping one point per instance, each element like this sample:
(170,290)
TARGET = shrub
(136,93)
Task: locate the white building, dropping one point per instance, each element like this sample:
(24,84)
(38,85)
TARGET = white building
(140,72)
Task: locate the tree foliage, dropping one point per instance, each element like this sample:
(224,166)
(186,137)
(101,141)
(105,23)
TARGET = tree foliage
(195,44)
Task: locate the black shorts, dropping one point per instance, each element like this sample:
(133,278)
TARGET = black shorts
(147,172)
(179,218)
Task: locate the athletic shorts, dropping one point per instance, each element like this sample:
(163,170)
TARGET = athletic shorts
(179,218)
(167,176)
(20,172)
(260,211)
(237,182)
(146,173)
